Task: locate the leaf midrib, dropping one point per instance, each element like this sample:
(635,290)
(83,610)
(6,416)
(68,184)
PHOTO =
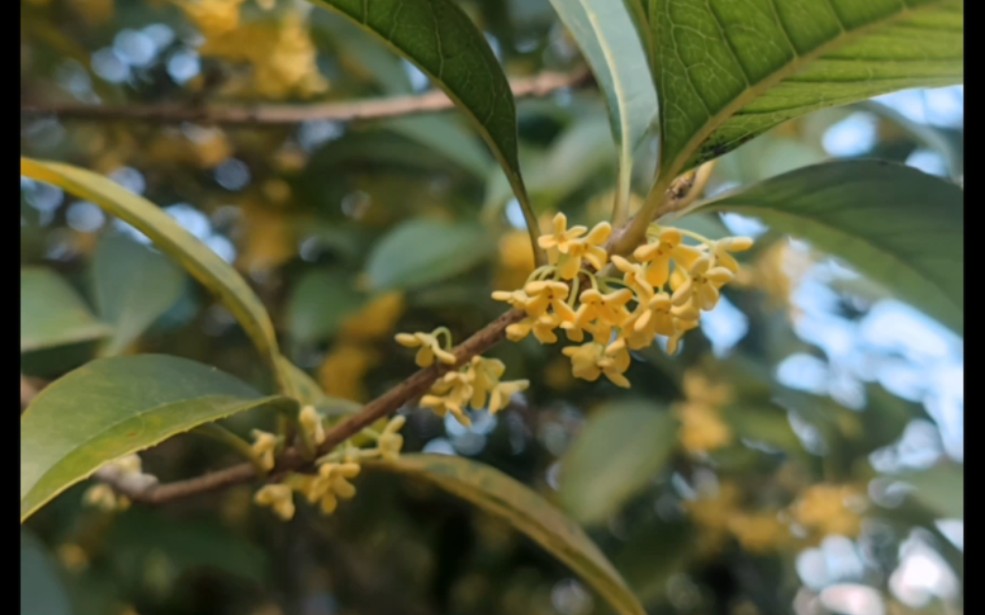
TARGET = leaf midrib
(799,62)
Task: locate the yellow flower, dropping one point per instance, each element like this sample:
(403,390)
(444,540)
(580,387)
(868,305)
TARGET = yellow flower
(702,429)
(451,393)
(701,284)
(591,360)
(311,423)
(503,392)
(722,247)
(332,484)
(699,388)
(599,314)
(566,248)
(343,369)
(762,532)
(390,442)
(830,509)
(104,498)
(212,17)
(516,260)
(658,255)
(487,373)
(633,275)
(264,445)
(544,304)
(429,346)
(278,497)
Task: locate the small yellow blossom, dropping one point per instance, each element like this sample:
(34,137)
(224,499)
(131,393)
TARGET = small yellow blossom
(722,247)
(73,557)
(279,498)
(702,284)
(391,442)
(103,497)
(566,248)
(503,392)
(332,484)
(264,446)
(591,360)
(212,17)
(657,256)
(599,313)
(699,388)
(430,348)
(451,393)
(311,423)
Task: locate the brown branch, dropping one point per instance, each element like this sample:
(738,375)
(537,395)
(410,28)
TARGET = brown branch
(288,114)
(384,405)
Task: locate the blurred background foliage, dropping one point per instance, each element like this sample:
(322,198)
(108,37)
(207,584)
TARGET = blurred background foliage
(802,454)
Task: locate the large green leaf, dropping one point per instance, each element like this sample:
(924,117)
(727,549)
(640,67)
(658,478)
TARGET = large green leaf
(53,314)
(113,407)
(504,497)
(901,227)
(421,252)
(727,70)
(42,592)
(197,259)
(607,38)
(438,37)
(619,451)
(133,286)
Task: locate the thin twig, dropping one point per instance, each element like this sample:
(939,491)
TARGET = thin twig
(291,459)
(289,114)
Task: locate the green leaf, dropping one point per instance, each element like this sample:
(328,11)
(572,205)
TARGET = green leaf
(940,488)
(727,70)
(53,314)
(319,303)
(421,252)
(607,37)
(42,592)
(437,36)
(622,447)
(899,226)
(133,285)
(197,259)
(113,407)
(444,136)
(504,497)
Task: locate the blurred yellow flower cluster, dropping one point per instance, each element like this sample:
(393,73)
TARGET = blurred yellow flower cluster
(331,481)
(476,384)
(821,510)
(661,292)
(280,52)
(702,428)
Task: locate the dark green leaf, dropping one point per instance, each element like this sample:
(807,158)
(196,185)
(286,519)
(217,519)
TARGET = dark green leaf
(133,286)
(527,512)
(113,407)
(901,227)
(420,252)
(438,37)
(728,70)
(53,314)
(319,303)
(42,592)
(622,447)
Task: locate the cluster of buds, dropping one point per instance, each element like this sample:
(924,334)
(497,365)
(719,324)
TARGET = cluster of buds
(125,472)
(334,472)
(661,292)
(476,384)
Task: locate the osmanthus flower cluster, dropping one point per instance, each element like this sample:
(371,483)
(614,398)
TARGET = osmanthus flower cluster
(332,480)
(661,292)
(477,384)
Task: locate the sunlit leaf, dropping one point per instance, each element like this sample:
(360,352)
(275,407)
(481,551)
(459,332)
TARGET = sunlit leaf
(53,314)
(728,70)
(901,227)
(197,258)
(133,285)
(621,448)
(607,37)
(113,407)
(504,497)
(420,252)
